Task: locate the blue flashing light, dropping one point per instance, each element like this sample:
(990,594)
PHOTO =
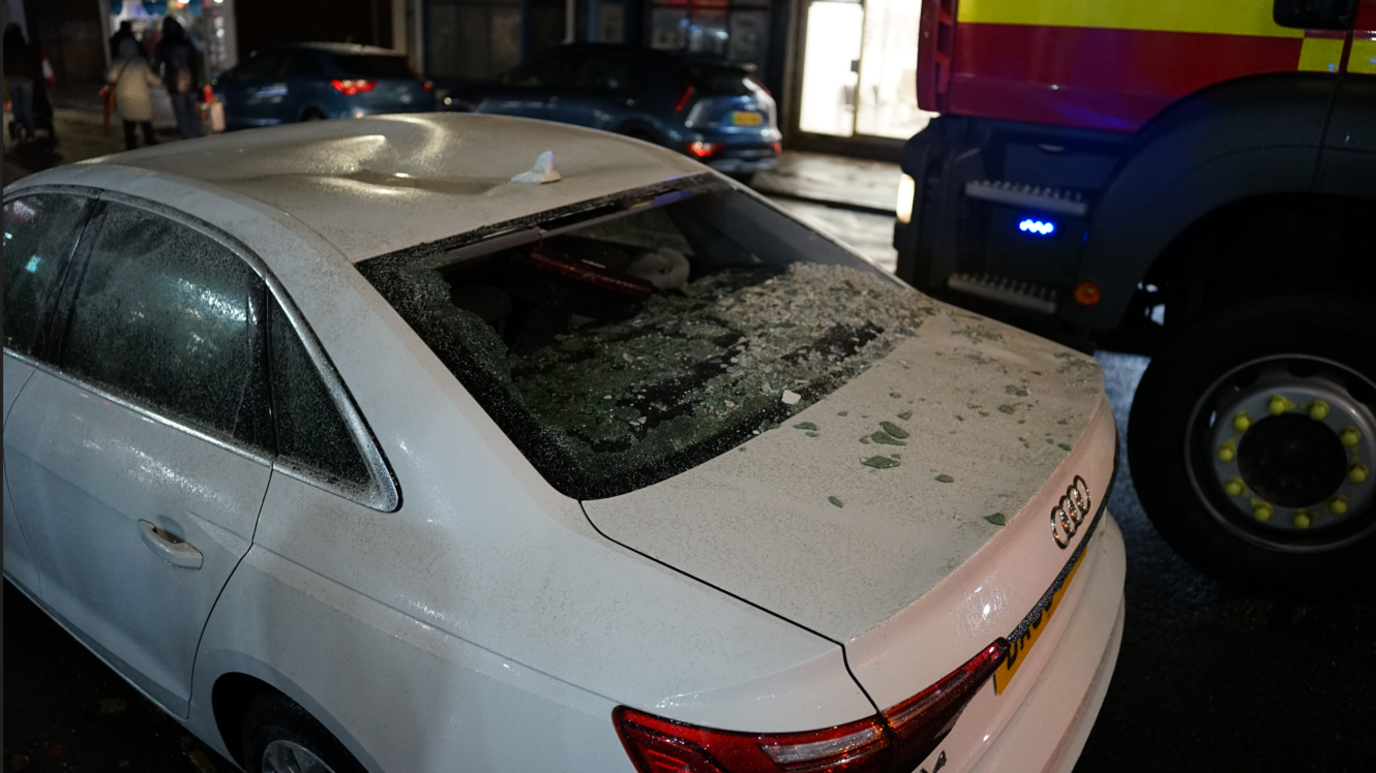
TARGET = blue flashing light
(1038,227)
(33,264)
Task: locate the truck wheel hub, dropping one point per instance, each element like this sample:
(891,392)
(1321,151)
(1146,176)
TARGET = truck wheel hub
(1280,450)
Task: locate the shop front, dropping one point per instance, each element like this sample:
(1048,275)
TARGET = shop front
(856,76)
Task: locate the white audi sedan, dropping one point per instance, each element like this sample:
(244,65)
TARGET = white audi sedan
(364,445)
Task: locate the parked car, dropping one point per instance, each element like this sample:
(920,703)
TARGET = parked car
(711,110)
(353,453)
(314,81)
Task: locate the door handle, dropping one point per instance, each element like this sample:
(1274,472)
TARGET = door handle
(169,548)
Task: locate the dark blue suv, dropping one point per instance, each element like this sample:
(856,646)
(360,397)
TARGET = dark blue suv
(708,109)
(309,81)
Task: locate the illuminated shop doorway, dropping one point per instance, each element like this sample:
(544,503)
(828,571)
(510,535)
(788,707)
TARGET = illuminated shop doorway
(859,69)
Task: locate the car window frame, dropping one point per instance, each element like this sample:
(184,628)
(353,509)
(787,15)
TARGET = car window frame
(384,494)
(45,343)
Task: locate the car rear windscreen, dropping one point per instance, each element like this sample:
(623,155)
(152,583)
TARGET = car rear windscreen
(375,66)
(719,81)
(652,337)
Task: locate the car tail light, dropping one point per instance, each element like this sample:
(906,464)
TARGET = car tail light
(688,92)
(897,743)
(704,149)
(757,82)
(427,85)
(778,147)
(353,86)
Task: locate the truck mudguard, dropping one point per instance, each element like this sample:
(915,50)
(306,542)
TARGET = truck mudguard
(1245,138)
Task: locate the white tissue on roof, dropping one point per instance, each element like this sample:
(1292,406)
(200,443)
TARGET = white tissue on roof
(542,172)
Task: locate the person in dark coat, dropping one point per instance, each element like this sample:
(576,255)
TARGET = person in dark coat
(21,70)
(181,68)
(125,32)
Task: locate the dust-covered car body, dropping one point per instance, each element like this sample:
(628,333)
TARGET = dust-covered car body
(630,470)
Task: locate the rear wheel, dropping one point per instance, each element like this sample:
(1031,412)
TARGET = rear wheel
(281,737)
(1251,440)
(312,115)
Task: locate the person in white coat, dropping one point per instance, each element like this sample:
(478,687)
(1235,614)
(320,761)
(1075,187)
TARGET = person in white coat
(131,77)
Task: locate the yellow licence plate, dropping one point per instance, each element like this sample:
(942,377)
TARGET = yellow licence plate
(743,118)
(1027,632)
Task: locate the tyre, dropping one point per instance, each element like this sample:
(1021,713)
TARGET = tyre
(312,115)
(1251,441)
(281,737)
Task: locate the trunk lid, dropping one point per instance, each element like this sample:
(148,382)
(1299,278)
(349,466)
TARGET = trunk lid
(850,538)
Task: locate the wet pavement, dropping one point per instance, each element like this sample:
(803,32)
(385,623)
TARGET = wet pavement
(1208,679)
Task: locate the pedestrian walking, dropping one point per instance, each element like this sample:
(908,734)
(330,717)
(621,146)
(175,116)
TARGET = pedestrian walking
(131,77)
(21,68)
(181,68)
(125,32)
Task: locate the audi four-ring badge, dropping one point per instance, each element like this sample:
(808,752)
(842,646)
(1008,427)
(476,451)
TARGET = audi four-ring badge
(1068,514)
(449,442)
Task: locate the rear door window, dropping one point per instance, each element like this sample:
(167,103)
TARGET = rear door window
(300,64)
(41,231)
(605,72)
(172,319)
(549,73)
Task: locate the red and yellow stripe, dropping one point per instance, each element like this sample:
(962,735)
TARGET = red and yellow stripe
(1113,64)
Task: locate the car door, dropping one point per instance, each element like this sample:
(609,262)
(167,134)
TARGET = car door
(251,90)
(41,232)
(139,463)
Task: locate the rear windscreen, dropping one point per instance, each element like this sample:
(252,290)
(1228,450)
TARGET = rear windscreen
(621,352)
(719,81)
(375,66)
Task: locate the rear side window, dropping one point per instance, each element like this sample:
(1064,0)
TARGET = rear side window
(603,72)
(375,66)
(40,234)
(300,63)
(550,72)
(171,318)
(310,431)
(260,66)
(719,81)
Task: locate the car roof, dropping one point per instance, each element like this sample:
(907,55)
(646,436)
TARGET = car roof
(332,48)
(372,186)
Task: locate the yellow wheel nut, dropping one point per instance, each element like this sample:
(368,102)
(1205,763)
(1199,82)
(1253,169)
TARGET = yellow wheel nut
(1318,410)
(1350,437)
(1241,421)
(1235,487)
(1226,452)
(1302,519)
(1278,404)
(1357,471)
(1261,511)
(1337,505)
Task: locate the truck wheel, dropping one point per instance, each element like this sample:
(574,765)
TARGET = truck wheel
(1252,440)
(281,737)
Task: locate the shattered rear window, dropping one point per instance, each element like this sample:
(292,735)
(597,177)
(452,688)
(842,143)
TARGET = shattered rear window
(619,353)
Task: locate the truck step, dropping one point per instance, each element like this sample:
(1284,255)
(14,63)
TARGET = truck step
(1045,199)
(1013,292)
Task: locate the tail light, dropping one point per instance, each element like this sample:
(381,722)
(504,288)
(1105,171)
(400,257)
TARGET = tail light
(757,82)
(894,743)
(704,149)
(778,147)
(353,86)
(427,85)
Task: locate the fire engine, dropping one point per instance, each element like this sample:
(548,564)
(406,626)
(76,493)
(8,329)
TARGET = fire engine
(1195,181)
